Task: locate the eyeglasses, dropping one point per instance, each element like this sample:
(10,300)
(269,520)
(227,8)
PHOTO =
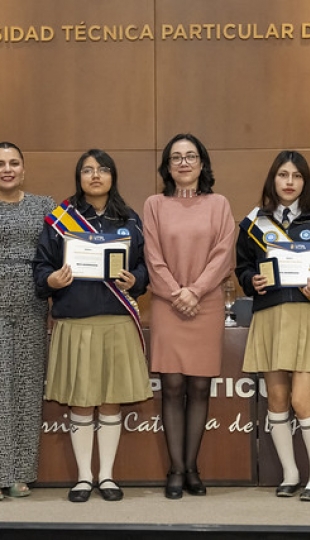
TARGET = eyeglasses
(90,171)
(191,159)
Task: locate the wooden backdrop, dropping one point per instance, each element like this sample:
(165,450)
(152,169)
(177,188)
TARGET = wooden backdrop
(171,66)
(127,75)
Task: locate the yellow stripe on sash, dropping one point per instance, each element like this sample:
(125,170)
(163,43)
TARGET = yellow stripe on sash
(64,218)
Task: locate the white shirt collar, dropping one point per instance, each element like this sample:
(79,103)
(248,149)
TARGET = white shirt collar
(294,211)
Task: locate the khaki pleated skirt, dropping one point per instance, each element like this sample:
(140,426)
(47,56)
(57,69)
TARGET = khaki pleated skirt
(279,339)
(97,360)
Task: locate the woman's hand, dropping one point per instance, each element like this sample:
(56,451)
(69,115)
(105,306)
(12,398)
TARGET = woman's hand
(60,278)
(125,281)
(259,283)
(186,302)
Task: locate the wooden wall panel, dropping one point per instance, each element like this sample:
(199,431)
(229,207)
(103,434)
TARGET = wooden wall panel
(240,174)
(77,94)
(53,173)
(235,93)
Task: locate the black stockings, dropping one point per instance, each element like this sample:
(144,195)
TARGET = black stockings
(185,402)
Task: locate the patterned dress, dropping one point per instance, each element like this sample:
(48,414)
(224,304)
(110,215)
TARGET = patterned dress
(22,339)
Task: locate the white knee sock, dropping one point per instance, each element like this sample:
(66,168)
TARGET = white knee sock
(82,436)
(305,430)
(108,435)
(281,434)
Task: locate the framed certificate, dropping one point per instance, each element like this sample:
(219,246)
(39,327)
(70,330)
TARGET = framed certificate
(293,261)
(96,256)
(114,262)
(269,268)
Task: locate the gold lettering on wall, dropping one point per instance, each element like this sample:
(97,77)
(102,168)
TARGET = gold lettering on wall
(228,31)
(82,32)
(116,32)
(15,34)
(305,30)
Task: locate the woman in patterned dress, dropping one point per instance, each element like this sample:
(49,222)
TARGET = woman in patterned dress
(22,327)
(189,239)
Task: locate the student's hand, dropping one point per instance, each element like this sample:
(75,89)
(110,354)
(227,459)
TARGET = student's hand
(259,283)
(125,281)
(60,278)
(306,290)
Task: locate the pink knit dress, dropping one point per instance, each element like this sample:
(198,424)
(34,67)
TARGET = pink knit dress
(188,242)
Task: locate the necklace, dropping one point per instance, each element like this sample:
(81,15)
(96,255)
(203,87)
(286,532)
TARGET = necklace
(185,193)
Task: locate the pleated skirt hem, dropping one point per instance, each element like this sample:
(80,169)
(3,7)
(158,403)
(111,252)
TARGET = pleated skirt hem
(279,339)
(97,360)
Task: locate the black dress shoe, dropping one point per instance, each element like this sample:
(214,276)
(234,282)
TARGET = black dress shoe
(174,486)
(193,484)
(110,494)
(305,495)
(80,495)
(287,490)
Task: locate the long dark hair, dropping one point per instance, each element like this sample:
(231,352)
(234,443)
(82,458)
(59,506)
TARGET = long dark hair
(270,200)
(7,145)
(116,207)
(206,178)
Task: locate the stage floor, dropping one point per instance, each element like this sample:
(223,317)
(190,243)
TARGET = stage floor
(223,506)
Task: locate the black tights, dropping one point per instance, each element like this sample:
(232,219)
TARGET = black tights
(185,403)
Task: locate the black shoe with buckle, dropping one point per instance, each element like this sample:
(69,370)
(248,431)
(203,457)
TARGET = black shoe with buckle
(108,493)
(305,495)
(80,495)
(287,490)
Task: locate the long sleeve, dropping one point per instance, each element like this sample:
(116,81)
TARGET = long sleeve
(246,254)
(137,264)
(220,262)
(49,257)
(162,281)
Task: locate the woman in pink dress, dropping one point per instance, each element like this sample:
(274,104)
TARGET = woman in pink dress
(189,240)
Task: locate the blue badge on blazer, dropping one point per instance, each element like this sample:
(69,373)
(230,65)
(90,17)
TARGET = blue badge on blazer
(270,237)
(123,232)
(305,235)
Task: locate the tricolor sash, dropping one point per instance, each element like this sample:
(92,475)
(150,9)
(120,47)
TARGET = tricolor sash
(263,230)
(66,218)
(132,307)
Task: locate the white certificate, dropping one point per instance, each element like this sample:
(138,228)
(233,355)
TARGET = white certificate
(293,262)
(92,256)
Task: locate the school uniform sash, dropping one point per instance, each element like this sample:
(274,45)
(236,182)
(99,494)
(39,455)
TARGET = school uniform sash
(263,230)
(66,218)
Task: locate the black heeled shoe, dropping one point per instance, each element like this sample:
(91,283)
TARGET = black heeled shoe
(174,486)
(193,483)
(80,495)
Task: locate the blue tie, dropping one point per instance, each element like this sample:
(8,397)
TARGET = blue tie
(285,220)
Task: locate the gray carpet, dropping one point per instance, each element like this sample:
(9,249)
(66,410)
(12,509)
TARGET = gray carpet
(222,506)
